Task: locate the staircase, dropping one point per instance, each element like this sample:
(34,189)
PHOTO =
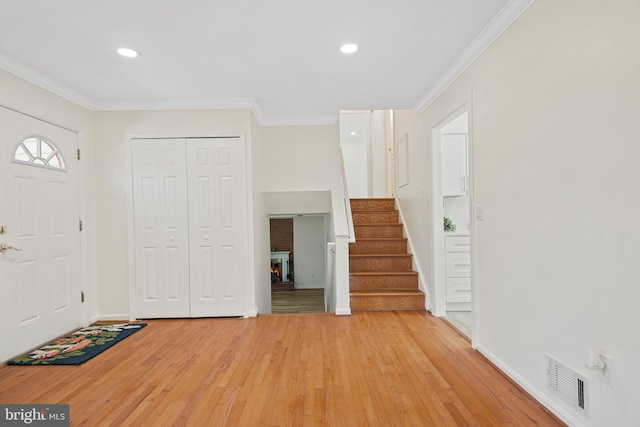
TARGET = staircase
(380,268)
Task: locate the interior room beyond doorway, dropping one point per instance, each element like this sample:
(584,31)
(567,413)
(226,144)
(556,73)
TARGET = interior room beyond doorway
(297,263)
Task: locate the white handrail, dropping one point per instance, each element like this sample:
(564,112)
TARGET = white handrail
(347,201)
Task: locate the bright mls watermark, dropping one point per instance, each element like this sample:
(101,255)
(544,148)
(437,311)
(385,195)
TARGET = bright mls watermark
(34,415)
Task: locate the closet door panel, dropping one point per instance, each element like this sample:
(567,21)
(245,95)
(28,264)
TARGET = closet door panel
(161,238)
(216,192)
(230,228)
(201,234)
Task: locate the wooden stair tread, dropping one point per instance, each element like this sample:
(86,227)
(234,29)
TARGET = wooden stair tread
(374,211)
(385,292)
(373,199)
(382,239)
(379,255)
(383,273)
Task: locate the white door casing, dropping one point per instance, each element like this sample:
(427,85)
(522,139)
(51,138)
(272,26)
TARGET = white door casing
(40,285)
(189,227)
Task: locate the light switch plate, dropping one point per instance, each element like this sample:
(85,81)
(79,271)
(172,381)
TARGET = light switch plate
(606,375)
(479,213)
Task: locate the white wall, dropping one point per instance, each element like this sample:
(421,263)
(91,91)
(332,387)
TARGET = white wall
(300,158)
(112,187)
(260,238)
(309,247)
(457,209)
(554,130)
(297,202)
(280,159)
(378,147)
(354,142)
(458,125)
(27,98)
(300,164)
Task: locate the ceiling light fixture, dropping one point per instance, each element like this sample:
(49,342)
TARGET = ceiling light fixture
(349,48)
(127,53)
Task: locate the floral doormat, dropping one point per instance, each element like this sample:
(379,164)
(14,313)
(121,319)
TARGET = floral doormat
(80,346)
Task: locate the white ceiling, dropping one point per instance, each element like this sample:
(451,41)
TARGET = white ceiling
(279,57)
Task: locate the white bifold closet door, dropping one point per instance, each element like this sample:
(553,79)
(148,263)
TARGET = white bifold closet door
(190,251)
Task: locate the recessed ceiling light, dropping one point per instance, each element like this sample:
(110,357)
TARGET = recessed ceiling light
(353,133)
(349,48)
(128,53)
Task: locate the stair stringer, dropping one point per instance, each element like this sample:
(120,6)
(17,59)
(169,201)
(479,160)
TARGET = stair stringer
(417,266)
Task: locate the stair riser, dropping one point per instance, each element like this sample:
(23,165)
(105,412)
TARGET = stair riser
(375,303)
(361,283)
(373,205)
(375,217)
(367,231)
(378,247)
(380,264)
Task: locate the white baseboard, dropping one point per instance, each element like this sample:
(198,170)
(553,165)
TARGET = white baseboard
(533,391)
(120,317)
(344,311)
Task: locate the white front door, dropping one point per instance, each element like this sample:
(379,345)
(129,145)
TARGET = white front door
(217,188)
(161,228)
(40,275)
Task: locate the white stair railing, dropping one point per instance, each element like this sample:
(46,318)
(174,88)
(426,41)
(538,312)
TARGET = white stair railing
(344,233)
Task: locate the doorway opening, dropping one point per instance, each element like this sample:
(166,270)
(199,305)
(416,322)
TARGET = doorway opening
(452,225)
(366,142)
(298,263)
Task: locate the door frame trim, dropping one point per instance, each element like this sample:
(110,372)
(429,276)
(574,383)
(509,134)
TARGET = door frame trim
(438,277)
(248,291)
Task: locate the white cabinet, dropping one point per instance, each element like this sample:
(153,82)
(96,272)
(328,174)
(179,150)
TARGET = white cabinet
(454,165)
(458,272)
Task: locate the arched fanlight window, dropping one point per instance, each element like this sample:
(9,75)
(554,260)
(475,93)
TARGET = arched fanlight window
(37,151)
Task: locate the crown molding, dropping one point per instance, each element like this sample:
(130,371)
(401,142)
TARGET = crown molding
(212,104)
(33,76)
(326,120)
(263,120)
(258,113)
(174,104)
(37,78)
(503,20)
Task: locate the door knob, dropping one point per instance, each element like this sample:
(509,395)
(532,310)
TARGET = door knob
(4,248)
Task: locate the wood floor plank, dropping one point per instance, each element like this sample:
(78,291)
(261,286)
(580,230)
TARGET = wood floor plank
(298,301)
(372,368)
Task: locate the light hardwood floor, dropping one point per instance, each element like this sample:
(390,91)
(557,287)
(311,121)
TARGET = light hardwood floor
(298,301)
(373,368)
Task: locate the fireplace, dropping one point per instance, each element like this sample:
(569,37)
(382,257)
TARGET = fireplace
(280,266)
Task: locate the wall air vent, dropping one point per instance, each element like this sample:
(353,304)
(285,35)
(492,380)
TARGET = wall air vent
(568,383)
